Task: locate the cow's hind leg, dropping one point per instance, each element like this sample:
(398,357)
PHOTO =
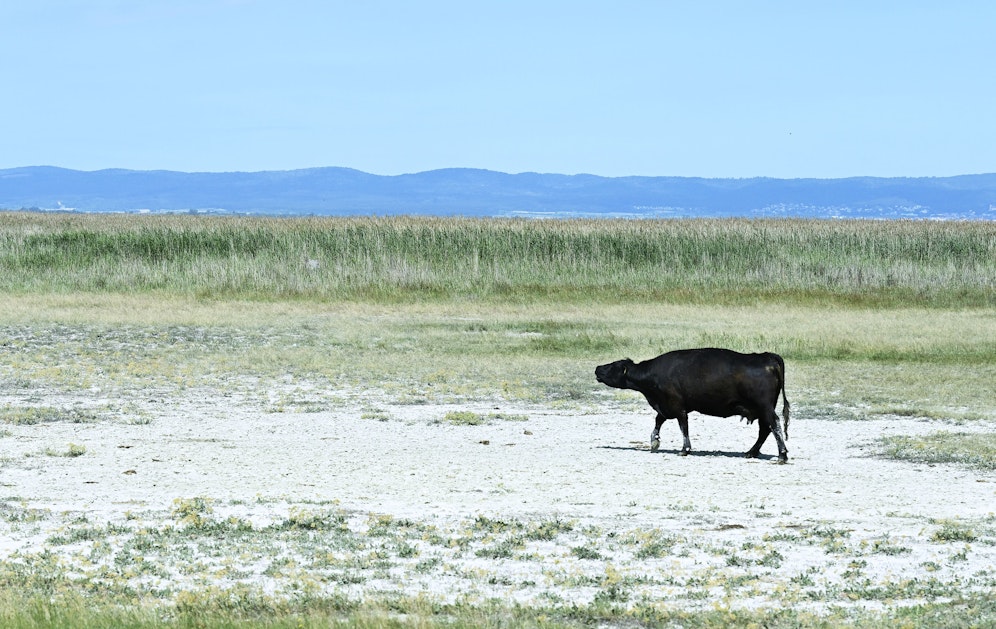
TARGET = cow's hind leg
(763,430)
(686,447)
(783,453)
(768,425)
(655,436)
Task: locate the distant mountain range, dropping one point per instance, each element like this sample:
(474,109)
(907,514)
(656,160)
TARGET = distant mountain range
(471,192)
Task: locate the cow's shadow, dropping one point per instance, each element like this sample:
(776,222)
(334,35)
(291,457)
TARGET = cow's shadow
(676,452)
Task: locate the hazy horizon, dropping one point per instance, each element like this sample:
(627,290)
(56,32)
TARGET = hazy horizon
(468,168)
(476,192)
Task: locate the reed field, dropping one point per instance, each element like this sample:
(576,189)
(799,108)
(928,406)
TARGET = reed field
(120,333)
(412,259)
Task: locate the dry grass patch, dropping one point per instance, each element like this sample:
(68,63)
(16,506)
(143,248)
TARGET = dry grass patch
(976,450)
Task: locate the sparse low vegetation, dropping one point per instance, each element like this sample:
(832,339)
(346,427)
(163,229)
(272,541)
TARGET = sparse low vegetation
(226,564)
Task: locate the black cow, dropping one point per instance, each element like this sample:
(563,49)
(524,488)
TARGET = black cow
(712,381)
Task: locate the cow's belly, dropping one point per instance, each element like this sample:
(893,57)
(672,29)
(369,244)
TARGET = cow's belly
(724,408)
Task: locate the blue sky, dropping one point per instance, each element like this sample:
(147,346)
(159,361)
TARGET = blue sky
(692,88)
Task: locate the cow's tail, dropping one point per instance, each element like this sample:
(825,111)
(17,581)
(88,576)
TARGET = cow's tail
(785,402)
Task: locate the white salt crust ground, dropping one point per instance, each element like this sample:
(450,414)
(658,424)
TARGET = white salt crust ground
(592,471)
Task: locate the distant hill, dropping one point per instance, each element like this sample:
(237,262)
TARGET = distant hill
(471,192)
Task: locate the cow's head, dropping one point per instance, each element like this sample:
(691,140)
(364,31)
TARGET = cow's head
(614,374)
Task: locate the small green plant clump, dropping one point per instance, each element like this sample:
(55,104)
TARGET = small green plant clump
(195,512)
(951,531)
(470,418)
(74,450)
(464,418)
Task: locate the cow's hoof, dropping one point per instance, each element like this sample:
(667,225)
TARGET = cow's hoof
(783,459)
(655,445)
(685,452)
(751,455)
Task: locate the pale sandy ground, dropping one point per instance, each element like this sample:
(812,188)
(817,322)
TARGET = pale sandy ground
(594,469)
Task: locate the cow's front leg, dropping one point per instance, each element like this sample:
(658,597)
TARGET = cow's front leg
(655,436)
(686,447)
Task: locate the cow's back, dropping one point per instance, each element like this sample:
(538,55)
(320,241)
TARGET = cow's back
(722,382)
